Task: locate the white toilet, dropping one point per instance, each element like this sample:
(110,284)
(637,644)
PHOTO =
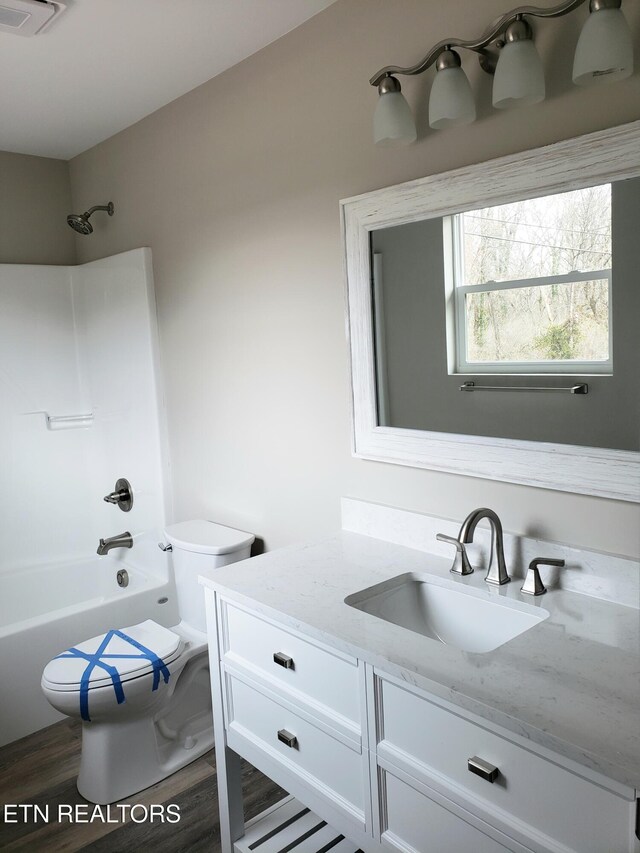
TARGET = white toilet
(143,692)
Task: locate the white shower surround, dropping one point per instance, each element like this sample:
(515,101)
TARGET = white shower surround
(76,341)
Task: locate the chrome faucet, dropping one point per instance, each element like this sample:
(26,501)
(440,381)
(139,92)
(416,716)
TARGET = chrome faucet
(497,571)
(122,540)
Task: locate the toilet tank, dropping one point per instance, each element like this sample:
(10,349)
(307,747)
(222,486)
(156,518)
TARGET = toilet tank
(197,547)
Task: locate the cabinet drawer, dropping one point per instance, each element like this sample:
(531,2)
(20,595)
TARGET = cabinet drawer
(332,766)
(543,802)
(317,674)
(427,825)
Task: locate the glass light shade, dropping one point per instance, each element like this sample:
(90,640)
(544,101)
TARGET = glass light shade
(604,51)
(519,77)
(451,101)
(393,123)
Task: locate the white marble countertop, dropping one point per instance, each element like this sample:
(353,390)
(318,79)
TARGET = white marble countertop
(570,684)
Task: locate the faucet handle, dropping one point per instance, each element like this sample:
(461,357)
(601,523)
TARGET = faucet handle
(122,496)
(461,564)
(533,584)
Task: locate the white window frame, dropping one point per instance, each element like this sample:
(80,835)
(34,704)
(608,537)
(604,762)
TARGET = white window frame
(566,367)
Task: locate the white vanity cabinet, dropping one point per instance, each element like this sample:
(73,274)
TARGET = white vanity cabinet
(385,763)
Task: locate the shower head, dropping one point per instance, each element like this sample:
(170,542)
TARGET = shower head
(80,221)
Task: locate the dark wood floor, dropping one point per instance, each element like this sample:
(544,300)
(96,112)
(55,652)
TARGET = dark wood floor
(41,769)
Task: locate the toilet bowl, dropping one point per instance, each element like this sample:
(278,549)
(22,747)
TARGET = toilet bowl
(143,691)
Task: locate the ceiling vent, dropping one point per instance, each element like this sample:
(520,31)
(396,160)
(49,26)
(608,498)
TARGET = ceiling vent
(28,17)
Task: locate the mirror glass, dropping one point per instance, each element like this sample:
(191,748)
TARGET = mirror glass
(514,321)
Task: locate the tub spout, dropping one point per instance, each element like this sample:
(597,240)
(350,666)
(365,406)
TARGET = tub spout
(122,540)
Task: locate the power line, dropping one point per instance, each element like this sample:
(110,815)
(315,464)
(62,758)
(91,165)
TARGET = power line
(531,225)
(539,245)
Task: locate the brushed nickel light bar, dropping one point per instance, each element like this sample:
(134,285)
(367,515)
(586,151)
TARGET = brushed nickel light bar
(604,53)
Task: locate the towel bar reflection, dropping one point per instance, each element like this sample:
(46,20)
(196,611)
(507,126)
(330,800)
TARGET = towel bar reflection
(581,388)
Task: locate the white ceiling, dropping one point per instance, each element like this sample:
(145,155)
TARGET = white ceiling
(105,64)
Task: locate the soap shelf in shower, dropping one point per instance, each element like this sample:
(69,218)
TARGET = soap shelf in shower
(68,421)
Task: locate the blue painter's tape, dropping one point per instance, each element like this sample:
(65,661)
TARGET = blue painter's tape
(99,658)
(159,666)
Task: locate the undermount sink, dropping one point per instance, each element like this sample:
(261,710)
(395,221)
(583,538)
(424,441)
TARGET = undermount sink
(469,619)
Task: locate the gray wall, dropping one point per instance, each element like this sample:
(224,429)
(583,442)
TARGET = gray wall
(35,198)
(235,186)
(422,394)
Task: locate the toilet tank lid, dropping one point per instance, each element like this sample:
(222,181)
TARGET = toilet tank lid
(206,537)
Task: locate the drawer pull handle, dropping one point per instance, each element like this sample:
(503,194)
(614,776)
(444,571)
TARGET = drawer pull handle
(483,769)
(288,739)
(283,660)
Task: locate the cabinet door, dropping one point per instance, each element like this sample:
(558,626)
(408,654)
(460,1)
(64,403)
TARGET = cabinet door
(535,799)
(414,822)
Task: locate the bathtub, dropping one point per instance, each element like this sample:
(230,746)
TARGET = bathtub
(47,608)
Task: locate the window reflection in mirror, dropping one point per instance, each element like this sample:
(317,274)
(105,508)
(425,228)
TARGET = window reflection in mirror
(531,284)
(538,292)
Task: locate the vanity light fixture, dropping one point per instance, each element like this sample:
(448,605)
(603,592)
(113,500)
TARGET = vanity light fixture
(519,75)
(604,53)
(392,121)
(605,50)
(451,102)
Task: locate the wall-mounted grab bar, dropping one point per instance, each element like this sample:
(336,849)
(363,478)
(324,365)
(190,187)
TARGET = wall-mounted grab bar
(580,388)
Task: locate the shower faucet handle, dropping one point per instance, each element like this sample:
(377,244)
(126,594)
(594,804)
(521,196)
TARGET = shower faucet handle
(122,496)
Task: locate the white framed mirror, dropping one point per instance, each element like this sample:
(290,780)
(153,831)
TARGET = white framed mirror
(555,399)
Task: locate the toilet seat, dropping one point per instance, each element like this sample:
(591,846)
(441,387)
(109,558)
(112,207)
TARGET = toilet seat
(132,652)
